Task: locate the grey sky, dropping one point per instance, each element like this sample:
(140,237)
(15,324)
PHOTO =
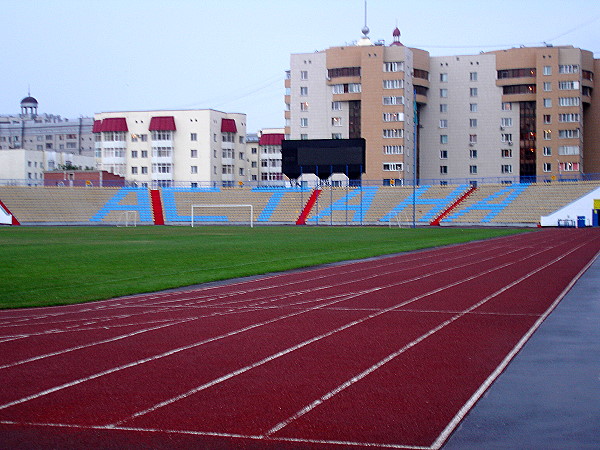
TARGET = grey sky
(86,56)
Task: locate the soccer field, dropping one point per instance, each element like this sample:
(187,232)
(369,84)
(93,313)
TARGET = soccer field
(42,266)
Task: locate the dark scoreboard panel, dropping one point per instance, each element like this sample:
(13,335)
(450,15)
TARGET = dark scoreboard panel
(323,157)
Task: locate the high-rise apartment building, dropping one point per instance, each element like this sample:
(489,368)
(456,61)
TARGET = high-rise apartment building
(508,115)
(188,148)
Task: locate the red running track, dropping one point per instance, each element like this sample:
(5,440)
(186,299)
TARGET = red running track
(389,352)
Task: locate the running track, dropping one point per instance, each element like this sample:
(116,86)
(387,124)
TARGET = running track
(389,352)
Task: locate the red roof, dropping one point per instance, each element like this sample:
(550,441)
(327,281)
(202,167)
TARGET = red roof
(228,126)
(97,126)
(115,124)
(271,139)
(162,123)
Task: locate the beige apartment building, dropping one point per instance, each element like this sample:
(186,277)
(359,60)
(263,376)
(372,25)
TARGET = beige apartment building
(186,148)
(520,114)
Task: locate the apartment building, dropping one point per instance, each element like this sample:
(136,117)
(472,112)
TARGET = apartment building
(32,142)
(516,114)
(187,148)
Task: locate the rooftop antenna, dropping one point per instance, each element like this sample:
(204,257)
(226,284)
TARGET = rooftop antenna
(365,29)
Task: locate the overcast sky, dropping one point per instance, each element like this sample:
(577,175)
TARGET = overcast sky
(80,57)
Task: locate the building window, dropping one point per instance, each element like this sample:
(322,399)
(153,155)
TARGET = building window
(547,167)
(547,86)
(144,153)
(393,133)
(336,135)
(193,169)
(443,123)
(547,151)
(473,123)
(304,74)
(303,91)
(506,168)
(568,101)
(473,76)
(443,93)
(547,135)
(506,137)
(443,77)
(393,100)
(569,118)
(304,106)
(193,136)
(506,122)
(506,152)
(134,153)
(134,170)
(161,168)
(506,106)
(304,137)
(336,121)
(568,150)
(547,119)
(473,154)
(472,139)
(473,92)
(336,106)
(473,170)
(568,167)
(393,117)
(193,153)
(443,107)
(393,149)
(547,70)
(393,66)
(443,170)
(162,135)
(393,84)
(569,68)
(443,138)
(392,167)
(547,103)
(304,122)
(443,154)
(473,107)
(569,134)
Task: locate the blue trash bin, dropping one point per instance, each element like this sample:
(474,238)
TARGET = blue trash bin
(580,221)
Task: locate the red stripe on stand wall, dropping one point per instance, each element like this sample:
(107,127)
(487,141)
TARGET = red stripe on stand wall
(157,209)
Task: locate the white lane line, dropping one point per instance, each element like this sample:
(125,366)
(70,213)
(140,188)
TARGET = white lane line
(312,340)
(308,408)
(496,373)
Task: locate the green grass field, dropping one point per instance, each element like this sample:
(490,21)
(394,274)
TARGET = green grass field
(41,266)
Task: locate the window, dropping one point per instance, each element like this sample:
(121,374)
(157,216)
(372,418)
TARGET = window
(473,92)
(393,100)
(134,153)
(473,107)
(568,101)
(161,168)
(443,77)
(570,68)
(547,103)
(547,135)
(336,106)
(569,166)
(193,136)
(443,170)
(443,123)
(506,137)
(303,91)
(304,106)
(393,117)
(336,121)
(547,86)
(506,106)
(547,70)
(547,167)
(506,152)
(144,153)
(162,152)
(443,107)
(568,150)
(393,84)
(193,153)
(443,93)
(473,154)
(547,119)
(194,169)
(569,134)
(569,118)
(392,167)
(547,151)
(336,135)
(393,133)
(472,139)
(134,170)
(143,137)
(443,138)
(393,149)
(304,74)
(303,122)
(506,168)
(443,154)
(568,85)
(393,66)
(304,137)
(473,123)
(506,122)
(473,76)
(241,171)
(473,170)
